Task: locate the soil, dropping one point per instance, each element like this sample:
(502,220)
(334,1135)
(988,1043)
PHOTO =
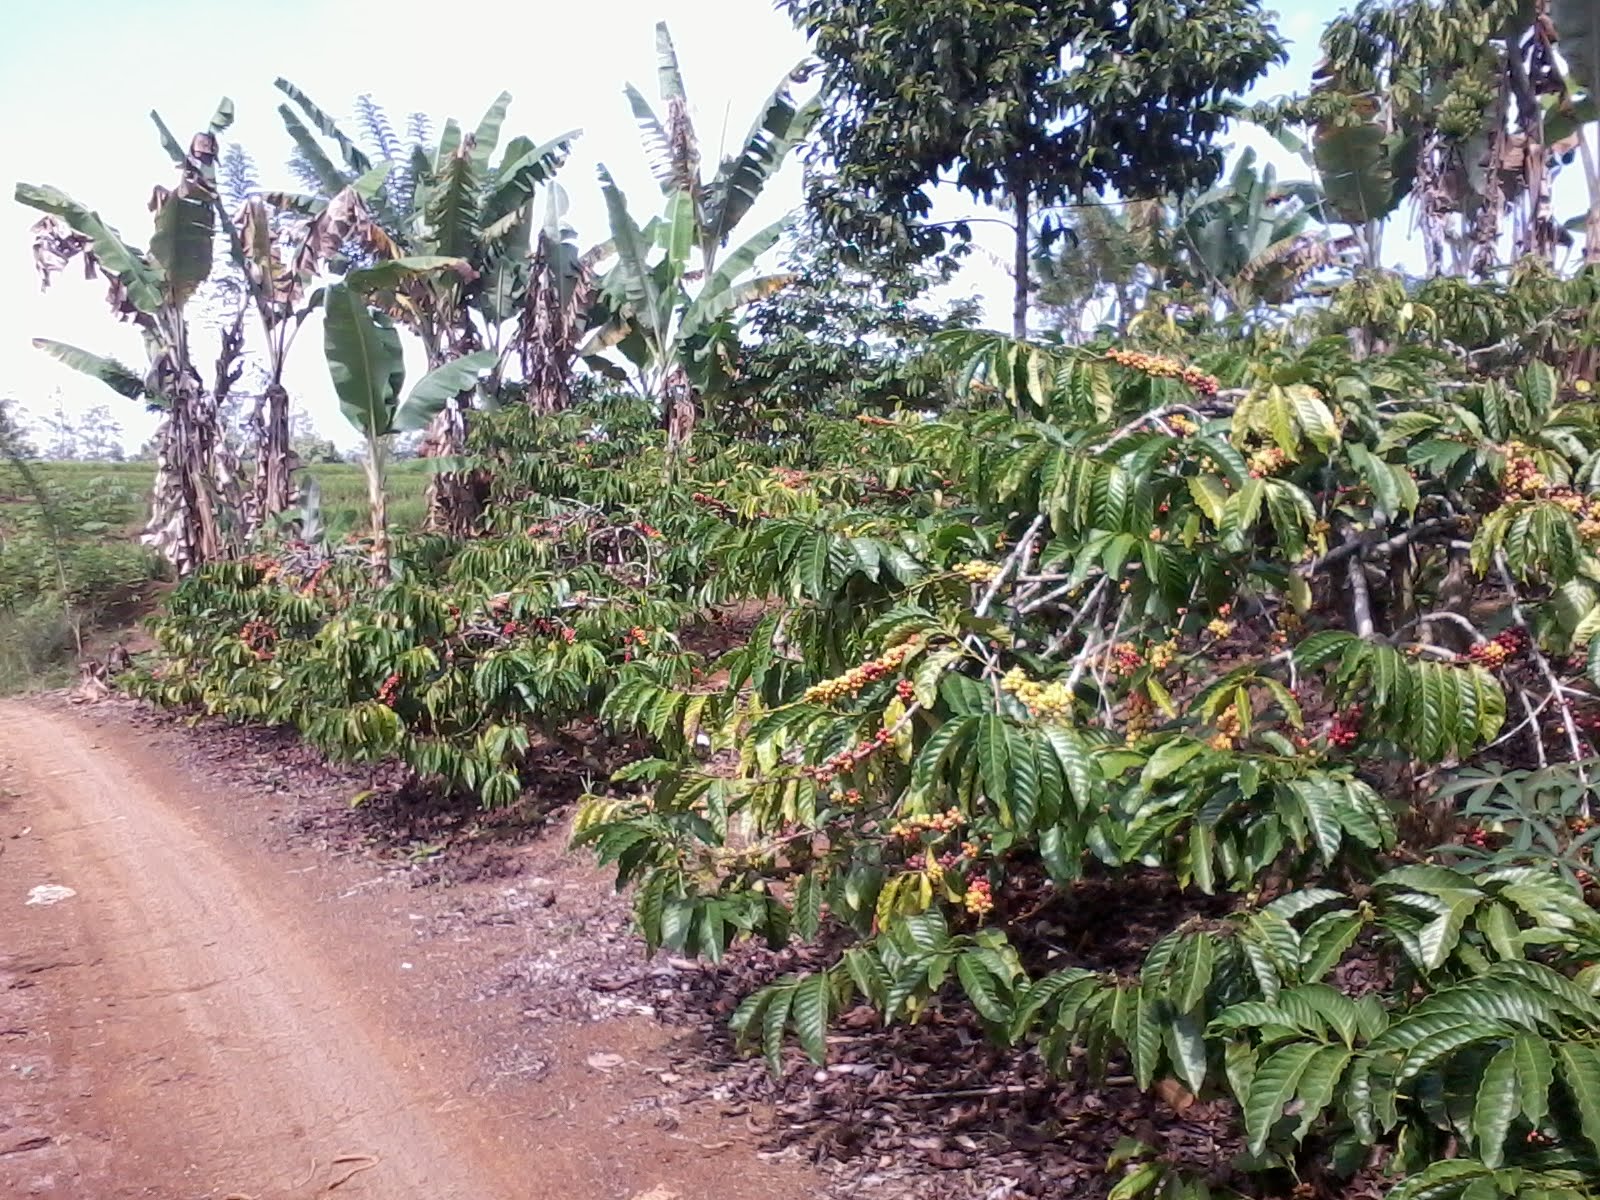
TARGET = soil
(279,980)
(245,997)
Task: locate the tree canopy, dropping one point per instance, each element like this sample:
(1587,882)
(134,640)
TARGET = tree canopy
(1032,102)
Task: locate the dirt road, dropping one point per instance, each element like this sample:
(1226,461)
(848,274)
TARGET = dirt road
(196,1020)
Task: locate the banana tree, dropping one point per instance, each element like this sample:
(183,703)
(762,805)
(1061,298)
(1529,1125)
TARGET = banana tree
(560,304)
(1252,239)
(659,326)
(193,506)
(367,366)
(1470,107)
(1577,24)
(457,202)
(717,204)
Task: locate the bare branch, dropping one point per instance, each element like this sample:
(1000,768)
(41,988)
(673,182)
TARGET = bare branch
(1543,663)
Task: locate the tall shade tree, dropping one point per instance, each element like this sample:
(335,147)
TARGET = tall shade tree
(1100,259)
(195,502)
(560,306)
(666,339)
(276,258)
(1251,239)
(1032,102)
(451,203)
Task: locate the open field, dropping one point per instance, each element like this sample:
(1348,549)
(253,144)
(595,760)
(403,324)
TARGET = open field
(74,577)
(343,486)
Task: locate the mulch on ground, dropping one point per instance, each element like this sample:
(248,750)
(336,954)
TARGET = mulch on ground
(931,1109)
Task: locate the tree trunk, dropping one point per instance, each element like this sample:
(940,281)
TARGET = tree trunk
(1591,225)
(274,483)
(185,523)
(378,505)
(1021,263)
(547,339)
(452,500)
(680,411)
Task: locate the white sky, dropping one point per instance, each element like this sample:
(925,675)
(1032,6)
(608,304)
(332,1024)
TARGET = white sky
(78,77)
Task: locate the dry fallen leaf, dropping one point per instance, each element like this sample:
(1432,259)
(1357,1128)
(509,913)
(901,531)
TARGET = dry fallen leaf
(1175,1095)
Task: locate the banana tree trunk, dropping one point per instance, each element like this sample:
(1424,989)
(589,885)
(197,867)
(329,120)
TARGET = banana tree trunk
(275,462)
(453,504)
(452,501)
(1591,225)
(185,526)
(548,344)
(378,509)
(681,415)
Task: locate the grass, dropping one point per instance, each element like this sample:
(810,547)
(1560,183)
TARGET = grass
(343,487)
(73,580)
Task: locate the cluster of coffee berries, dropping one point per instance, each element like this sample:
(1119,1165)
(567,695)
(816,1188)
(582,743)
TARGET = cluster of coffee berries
(1051,701)
(1164,368)
(649,530)
(978,572)
(1182,425)
(913,827)
(634,637)
(869,419)
(1522,472)
(1346,728)
(846,761)
(258,635)
(315,578)
(1219,627)
(269,567)
(979,898)
(906,690)
(539,627)
(1228,728)
(1267,462)
(1161,654)
(389,689)
(830,691)
(1586,509)
(1499,649)
(1477,837)
(1125,658)
(850,796)
(720,507)
(1141,713)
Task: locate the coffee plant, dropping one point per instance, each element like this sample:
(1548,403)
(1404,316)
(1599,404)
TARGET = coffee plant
(1303,631)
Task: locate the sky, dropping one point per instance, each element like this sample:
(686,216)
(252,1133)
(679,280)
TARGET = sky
(79,78)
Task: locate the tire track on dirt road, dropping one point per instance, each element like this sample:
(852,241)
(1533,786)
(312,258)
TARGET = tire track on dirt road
(205,1018)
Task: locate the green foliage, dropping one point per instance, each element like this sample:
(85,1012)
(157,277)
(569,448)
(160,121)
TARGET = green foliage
(66,563)
(1019,100)
(920,635)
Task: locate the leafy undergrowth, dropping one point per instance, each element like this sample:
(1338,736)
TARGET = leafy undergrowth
(72,580)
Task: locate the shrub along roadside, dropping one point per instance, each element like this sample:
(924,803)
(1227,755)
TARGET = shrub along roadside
(1234,621)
